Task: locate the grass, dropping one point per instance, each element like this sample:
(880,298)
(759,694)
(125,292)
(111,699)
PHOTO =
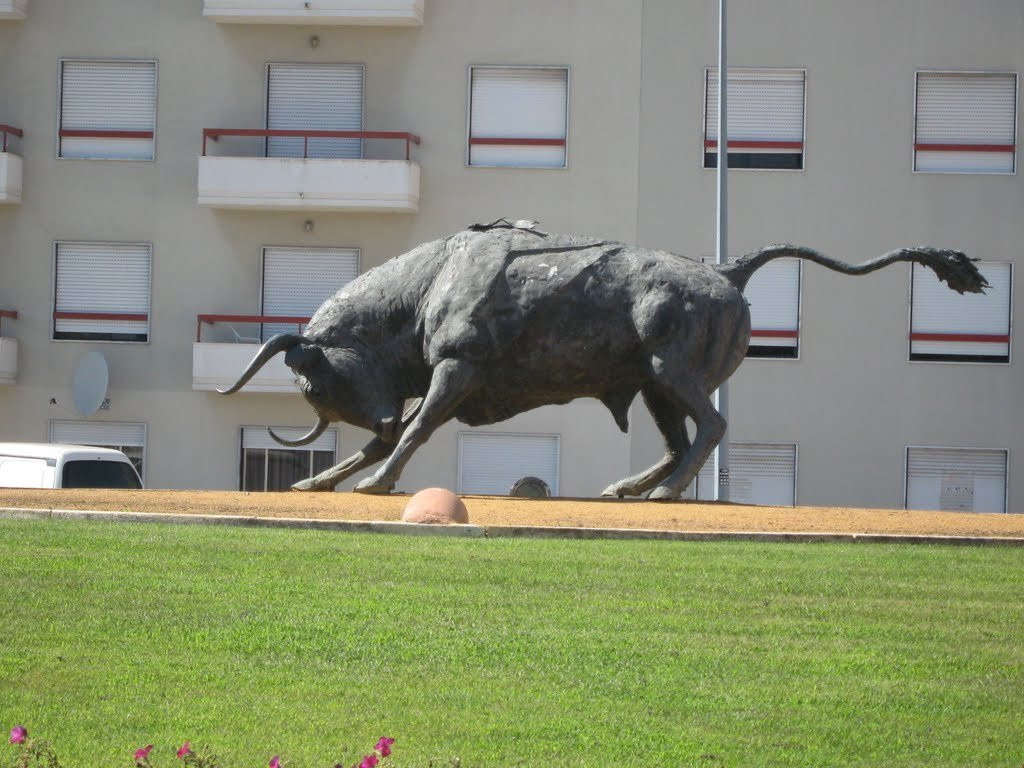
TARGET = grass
(507,652)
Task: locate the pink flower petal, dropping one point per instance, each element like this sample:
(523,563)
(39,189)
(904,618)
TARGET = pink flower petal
(184,749)
(384,746)
(18,734)
(275,761)
(369,761)
(142,754)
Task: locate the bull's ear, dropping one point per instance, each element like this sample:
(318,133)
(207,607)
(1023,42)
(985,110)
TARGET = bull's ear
(305,357)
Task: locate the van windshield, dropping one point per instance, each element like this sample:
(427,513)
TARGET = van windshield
(99,474)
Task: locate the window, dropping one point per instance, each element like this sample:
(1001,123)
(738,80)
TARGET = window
(269,466)
(296,281)
(518,116)
(491,463)
(130,439)
(956,479)
(323,97)
(102,291)
(965,122)
(766,118)
(774,297)
(972,327)
(107,110)
(759,473)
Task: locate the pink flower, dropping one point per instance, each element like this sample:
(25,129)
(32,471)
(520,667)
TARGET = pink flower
(18,734)
(184,749)
(384,746)
(369,761)
(275,761)
(143,754)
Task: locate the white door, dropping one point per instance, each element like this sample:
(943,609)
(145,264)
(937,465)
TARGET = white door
(956,479)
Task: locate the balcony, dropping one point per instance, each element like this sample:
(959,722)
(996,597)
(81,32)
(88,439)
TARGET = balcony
(305,183)
(391,13)
(225,344)
(13,9)
(10,168)
(8,351)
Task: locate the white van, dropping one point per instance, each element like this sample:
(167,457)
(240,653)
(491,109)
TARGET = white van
(51,465)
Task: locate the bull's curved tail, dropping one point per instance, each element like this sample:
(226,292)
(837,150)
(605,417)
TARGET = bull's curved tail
(952,267)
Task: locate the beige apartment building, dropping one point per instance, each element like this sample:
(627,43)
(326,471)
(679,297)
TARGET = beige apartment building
(181,179)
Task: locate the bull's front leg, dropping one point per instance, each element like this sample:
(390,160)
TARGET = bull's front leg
(372,452)
(450,383)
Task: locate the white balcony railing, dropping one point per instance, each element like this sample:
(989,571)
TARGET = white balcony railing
(8,352)
(394,13)
(309,183)
(221,355)
(10,167)
(13,9)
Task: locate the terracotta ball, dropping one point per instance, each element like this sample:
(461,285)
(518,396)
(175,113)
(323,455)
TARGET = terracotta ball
(435,506)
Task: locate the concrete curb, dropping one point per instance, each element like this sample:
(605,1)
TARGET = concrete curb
(503,531)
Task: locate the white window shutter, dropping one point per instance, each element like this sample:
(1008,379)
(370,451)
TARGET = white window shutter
(102,433)
(774,296)
(759,473)
(518,116)
(259,438)
(296,281)
(490,463)
(945,325)
(116,98)
(315,97)
(966,122)
(103,278)
(956,479)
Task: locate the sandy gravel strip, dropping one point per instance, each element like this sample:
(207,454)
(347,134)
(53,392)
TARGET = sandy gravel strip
(501,531)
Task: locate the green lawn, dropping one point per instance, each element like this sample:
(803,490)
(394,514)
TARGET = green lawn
(507,652)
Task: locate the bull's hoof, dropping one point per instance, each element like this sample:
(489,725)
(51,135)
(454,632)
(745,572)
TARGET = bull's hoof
(311,484)
(663,493)
(616,489)
(373,485)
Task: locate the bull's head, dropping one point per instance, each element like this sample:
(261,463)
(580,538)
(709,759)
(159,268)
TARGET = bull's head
(335,381)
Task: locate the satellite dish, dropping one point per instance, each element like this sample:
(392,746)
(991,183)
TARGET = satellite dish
(89,383)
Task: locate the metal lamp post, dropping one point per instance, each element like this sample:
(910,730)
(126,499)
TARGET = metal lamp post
(721,396)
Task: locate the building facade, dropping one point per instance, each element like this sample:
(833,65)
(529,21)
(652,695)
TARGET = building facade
(179,176)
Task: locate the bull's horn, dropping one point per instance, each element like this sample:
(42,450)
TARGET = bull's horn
(282,342)
(314,433)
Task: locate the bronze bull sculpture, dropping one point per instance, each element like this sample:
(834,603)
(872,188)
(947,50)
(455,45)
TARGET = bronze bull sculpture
(501,318)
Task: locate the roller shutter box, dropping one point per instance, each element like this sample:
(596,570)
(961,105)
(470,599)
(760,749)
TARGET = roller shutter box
(105,434)
(259,439)
(316,97)
(956,479)
(490,463)
(518,116)
(108,109)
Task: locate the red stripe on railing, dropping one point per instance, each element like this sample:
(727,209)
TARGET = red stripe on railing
(775,334)
(7,313)
(200,319)
(511,142)
(69,133)
(100,316)
(926,147)
(979,338)
(9,129)
(299,133)
(791,145)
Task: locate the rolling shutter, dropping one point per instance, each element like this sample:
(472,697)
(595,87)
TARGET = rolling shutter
(972,327)
(296,281)
(518,116)
(316,97)
(490,463)
(108,109)
(111,280)
(774,296)
(766,118)
(759,473)
(259,439)
(965,122)
(956,479)
(104,434)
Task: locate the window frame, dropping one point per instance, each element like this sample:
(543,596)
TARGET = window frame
(53,292)
(704,120)
(1016,120)
(954,359)
(469,116)
(301,449)
(106,60)
(1006,474)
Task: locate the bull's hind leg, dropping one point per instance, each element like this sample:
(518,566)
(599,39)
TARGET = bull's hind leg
(672,423)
